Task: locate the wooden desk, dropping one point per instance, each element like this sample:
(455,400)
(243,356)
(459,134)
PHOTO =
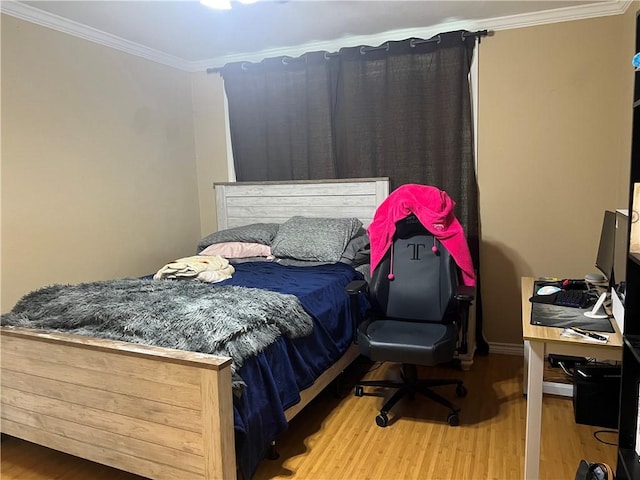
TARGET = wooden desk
(538,342)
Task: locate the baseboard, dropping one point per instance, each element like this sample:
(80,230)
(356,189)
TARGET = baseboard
(506,348)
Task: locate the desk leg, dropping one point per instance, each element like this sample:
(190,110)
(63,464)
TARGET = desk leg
(525,371)
(534,411)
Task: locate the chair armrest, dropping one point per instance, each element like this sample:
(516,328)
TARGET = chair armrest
(355,287)
(465,293)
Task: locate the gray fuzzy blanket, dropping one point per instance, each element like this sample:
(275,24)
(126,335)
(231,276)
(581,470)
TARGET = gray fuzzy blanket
(237,322)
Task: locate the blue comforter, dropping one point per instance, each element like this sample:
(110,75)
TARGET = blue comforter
(275,377)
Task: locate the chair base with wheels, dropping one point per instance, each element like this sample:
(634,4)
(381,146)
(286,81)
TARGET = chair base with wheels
(409,386)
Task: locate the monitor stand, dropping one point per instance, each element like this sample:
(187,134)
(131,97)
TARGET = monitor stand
(595,312)
(595,278)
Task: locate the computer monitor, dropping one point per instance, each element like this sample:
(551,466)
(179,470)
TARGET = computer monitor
(604,259)
(621,247)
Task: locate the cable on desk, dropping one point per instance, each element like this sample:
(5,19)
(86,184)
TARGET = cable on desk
(565,370)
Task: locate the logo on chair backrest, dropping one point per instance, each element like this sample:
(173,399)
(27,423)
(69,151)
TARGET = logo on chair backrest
(416,250)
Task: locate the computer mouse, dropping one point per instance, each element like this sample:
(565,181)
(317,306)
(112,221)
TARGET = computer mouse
(547,290)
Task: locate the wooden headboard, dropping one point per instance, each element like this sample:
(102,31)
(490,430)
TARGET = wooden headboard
(244,203)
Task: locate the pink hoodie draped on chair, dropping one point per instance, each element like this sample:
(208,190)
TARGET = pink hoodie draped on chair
(434,209)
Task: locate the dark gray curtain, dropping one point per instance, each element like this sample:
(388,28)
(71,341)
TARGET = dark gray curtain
(401,110)
(280,117)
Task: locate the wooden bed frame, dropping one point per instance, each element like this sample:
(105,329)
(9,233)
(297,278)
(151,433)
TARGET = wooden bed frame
(157,412)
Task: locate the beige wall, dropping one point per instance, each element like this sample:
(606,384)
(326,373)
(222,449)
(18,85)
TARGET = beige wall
(108,160)
(554,153)
(211,148)
(98,162)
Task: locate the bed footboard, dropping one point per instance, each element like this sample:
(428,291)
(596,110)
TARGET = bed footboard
(155,412)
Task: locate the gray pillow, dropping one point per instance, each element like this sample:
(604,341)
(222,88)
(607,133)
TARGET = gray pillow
(316,239)
(357,252)
(263,233)
(357,246)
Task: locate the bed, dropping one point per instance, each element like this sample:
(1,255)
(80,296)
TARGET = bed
(154,411)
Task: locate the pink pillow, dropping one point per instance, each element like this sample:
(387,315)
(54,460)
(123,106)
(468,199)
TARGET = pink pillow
(237,250)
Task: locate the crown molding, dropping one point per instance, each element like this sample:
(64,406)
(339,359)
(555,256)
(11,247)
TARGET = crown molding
(337,44)
(612,7)
(566,14)
(61,24)
(55,22)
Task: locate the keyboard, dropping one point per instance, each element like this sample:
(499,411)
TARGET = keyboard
(573,298)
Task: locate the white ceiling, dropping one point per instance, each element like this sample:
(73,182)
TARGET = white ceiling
(188,35)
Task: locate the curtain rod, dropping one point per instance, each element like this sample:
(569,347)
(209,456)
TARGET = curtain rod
(385,46)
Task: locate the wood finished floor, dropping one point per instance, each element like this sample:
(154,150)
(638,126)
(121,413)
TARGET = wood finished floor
(336,437)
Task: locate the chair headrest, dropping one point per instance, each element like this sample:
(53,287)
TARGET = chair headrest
(409,226)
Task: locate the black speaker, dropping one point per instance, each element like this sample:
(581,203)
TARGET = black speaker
(596,395)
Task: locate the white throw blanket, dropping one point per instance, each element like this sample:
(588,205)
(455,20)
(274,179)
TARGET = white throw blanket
(209,269)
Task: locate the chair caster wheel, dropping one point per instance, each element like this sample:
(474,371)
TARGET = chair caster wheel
(461,391)
(453,419)
(358,391)
(382,420)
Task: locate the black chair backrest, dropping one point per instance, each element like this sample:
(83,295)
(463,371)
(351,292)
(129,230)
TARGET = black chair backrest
(424,282)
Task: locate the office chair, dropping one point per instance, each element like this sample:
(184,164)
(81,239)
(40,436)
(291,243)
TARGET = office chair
(418,315)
